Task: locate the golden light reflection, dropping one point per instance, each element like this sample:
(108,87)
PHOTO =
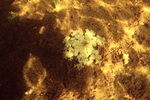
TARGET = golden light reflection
(129,31)
(145,15)
(67,4)
(30,9)
(42,29)
(142,70)
(113,45)
(109,7)
(107,69)
(113,69)
(34,74)
(123,22)
(126,58)
(146,9)
(140,48)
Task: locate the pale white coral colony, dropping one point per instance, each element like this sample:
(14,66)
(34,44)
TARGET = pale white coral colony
(84,47)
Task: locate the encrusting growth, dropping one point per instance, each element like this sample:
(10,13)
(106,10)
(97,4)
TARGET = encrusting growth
(84,47)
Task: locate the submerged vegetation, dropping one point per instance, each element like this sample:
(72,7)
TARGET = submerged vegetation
(14,18)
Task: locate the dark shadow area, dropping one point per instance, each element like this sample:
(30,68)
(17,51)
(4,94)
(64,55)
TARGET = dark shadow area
(18,41)
(5,4)
(10,62)
(16,44)
(5,8)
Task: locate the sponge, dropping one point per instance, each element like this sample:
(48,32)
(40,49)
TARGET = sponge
(83,47)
